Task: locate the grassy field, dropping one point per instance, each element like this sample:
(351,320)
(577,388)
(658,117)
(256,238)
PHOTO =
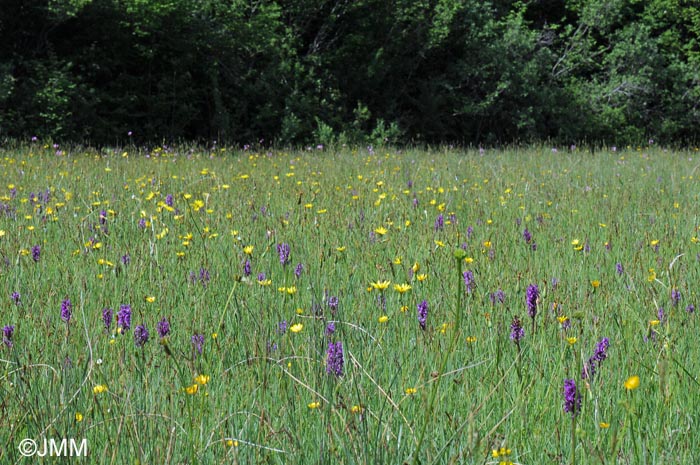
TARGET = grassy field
(218,306)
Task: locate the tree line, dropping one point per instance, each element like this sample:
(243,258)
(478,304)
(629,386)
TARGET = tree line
(290,72)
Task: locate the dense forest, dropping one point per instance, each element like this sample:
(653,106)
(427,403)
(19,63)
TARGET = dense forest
(292,72)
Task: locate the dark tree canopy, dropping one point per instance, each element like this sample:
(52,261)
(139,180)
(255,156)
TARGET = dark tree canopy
(364,71)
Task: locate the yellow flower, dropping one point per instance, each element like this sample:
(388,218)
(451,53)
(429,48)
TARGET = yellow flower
(231,443)
(380,285)
(415,267)
(487,244)
(468,259)
(439,243)
(422,277)
(297,327)
(192,390)
(652,275)
(397,261)
(654,322)
(410,391)
(265,282)
(314,405)
(571,340)
(404,308)
(381,230)
(202,379)
(654,243)
(402,288)
(604,425)
(150,299)
(471,339)
(562,319)
(595,283)
(383,319)
(340,249)
(78,417)
(502,452)
(356,409)
(99,389)
(632,383)
(248,249)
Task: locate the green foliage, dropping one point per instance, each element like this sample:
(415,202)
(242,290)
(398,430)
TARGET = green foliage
(168,232)
(474,72)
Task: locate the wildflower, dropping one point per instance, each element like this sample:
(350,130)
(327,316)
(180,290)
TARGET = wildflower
(283,252)
(572,398)
(675,296)
(571,340)
(502,452)
(204,277)
(99,389)
(126,259)
(599,355)
(632,383)
(468,280)
(409,391)
(282,327)
(531,298)
(652,275)
(36,253)
(78,417)
(202,379)
(618,267)
(298,270)
(380,285)
(107,317)
(66,310)
(7,333)
(334,359)
(198,343)
(516,330)
(330,328)
(313,405)
(140,335)
(248,249)
(402,288)
(383,319)
(163,328)
(439,223)
(297,327)
(333,304)
(690,308)
(422,314)
(498,296)
(381,230)
(124,318)
(595,283)
(527,236)
(192,390)
(16,297)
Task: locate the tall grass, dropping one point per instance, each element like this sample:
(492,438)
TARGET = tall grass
(168,233)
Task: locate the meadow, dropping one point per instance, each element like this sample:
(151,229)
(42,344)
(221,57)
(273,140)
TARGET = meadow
(216,305)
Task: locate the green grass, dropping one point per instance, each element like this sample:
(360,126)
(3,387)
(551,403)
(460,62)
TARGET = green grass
(451,393)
